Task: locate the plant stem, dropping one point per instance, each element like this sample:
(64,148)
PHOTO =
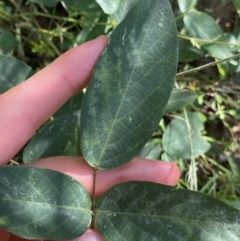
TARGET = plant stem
(207,65)
(207,41)
(94,198)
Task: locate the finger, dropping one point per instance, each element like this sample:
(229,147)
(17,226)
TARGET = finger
(138,169)
(4,235)
(28,105)
(90,235)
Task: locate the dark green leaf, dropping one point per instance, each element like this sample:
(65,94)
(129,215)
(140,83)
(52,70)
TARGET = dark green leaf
(7,41)
(57,138)
(186,5)
(10,78)
(90,12)
(201,25)
(109,6)
(151,151)
(182,137)
(72,106)
(178,99)
(87,7)
(147,211)
(187,52)
(130,86)
(42,204)
(98,30)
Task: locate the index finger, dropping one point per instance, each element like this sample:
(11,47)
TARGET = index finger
(28,105)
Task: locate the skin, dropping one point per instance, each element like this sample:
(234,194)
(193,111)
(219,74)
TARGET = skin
(24,108)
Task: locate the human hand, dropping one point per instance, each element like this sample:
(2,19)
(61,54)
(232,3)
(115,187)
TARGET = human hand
(24,108)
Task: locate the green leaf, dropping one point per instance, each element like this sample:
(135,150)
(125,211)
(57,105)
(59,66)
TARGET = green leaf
(124,7)
(130,86)
(72,106)
(151,151)
(236,4)
(59,137)
(42,204)
(7,41)
(136,211)
(10,78)
(182,137)
(187,52)
(186,5)
(178,99)
(109,6)
(86,7)
(98,29)
(47,3)
(90,12)
(201,25)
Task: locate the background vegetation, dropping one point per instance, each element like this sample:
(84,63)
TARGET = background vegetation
(36,32)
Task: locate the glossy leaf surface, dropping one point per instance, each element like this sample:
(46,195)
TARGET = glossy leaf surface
(178,99)
(136,211)
(10,78)
(182,137)
(130,86)
(42,204)
(59,137)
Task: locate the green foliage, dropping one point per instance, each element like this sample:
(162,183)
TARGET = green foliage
(118,104)
(10,78)
(42,204)
(201,25)
(7,41)
(182,139)
(137,211)
(131,88)
(54,139)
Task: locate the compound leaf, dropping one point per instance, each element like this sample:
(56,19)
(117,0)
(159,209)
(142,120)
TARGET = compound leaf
(37,203)
(130,86)
(136,211)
